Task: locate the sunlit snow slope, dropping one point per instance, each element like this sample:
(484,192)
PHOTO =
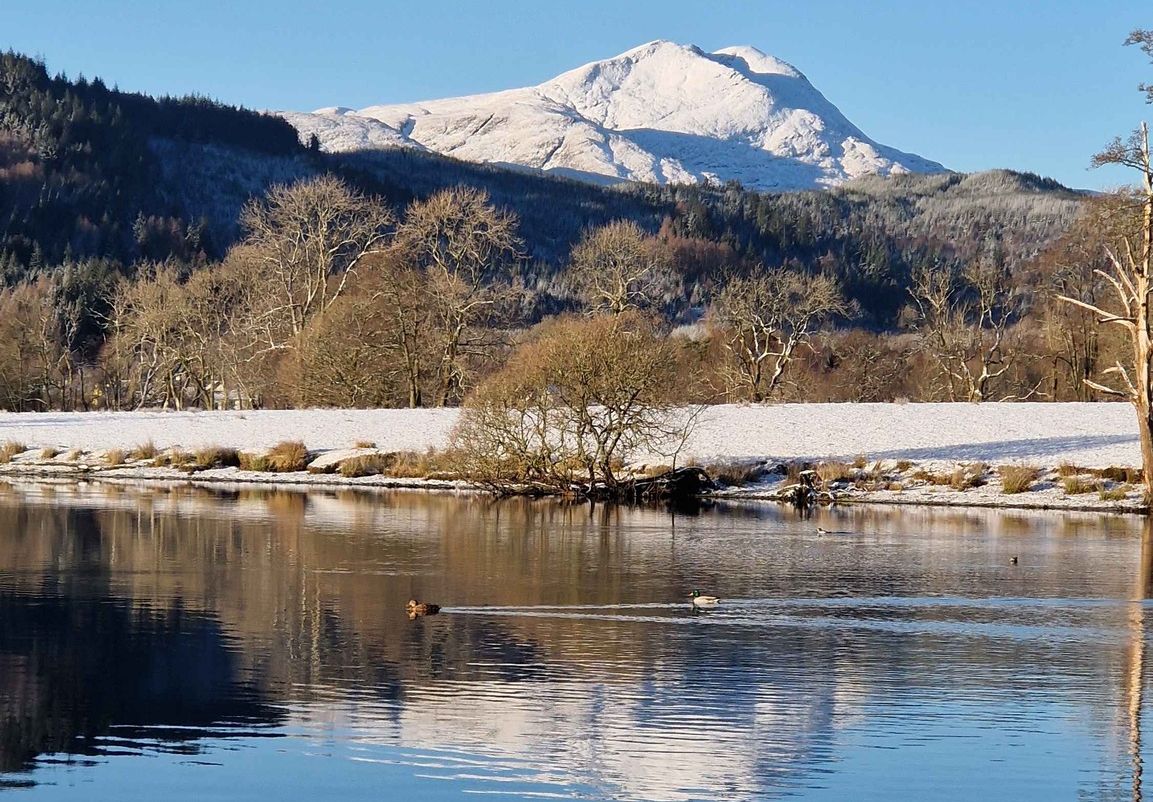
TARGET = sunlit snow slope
(663,112)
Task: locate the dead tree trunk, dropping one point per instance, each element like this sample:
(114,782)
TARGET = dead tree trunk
(1132,279)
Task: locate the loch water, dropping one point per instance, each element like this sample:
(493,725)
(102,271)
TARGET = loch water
(174,642)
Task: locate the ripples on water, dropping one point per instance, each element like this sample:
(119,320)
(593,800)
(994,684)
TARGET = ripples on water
(178,643)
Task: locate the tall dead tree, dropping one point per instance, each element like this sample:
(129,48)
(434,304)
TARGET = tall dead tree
(1131,277)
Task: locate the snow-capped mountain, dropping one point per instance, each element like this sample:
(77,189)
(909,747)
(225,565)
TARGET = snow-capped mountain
(662,112)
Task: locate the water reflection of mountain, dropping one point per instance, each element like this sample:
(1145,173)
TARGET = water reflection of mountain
(562,652)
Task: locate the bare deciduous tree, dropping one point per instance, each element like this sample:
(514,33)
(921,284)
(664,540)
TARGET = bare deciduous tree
(963,318)
(147,329)
(763,319)
(307,239)
(400,291)
(34,364)
(618,267)
(347,358)
(464,246)
(1144,40)
(1076,346)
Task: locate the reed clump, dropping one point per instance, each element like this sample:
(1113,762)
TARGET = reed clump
(365,465)
(216,457)
(287,456)
(115,456)
(1078,485)
(1115,493)
(250,461)
(830,472)
(10,449)
(1018,478)
(146,450)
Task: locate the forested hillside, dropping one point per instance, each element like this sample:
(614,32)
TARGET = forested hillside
(180,251)
(87,171)
(78,178)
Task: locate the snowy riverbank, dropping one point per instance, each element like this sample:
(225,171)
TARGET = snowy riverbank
(1094,435)
(933,437)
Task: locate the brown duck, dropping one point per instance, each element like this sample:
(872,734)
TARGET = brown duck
(416,609)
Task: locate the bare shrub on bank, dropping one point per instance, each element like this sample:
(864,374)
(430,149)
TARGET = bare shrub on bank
(963,318)
(574,405)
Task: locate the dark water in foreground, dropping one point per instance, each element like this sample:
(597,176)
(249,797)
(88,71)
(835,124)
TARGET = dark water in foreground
(180,644)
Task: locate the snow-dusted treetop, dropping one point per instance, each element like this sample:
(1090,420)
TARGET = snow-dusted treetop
(662,112)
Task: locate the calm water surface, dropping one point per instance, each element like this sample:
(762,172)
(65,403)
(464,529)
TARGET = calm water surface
(186,644)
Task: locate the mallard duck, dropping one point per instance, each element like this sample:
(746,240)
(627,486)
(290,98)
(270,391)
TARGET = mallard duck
(416,609)
(704,601)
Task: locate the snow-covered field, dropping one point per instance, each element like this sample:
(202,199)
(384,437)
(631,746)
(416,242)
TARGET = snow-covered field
(1091,435)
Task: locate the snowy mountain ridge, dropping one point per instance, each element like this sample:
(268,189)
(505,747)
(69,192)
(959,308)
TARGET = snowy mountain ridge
(662,112)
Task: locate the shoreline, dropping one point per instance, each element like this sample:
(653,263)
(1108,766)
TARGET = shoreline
(1046,498)
(907,454)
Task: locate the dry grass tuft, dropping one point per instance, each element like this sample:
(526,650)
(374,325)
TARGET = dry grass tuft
(10,450)
(794,470)
(1077,485)
(962,479)
(416,464)
(400,465)
(288,456)
(174,458)
(903,465)
(74,455)
(1116,493)
(49,453)
(736,474)
(115,456)
(144,451)
(253,462)
(1018,478)
(216,457)
(1119,473)
(1069,469)
(364,444)
(933,478)
(860,462)
(365,465)
(835,471)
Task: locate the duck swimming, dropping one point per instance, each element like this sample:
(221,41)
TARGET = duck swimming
(417,609)
(699,600)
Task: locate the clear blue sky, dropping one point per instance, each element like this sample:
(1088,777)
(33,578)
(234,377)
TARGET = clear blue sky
(1033,85)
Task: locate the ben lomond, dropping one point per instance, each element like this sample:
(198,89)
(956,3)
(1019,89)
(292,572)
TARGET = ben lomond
(662,112)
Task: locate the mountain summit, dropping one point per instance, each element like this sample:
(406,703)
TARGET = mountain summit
(662,112)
